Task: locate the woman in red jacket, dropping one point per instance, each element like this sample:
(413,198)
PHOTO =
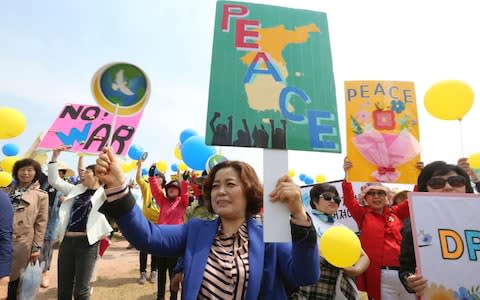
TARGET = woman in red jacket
(380,236)
(172,210)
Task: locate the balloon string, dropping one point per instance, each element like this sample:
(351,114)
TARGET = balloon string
(461,138)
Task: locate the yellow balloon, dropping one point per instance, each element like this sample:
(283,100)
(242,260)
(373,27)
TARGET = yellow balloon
(133,164)
(177,152)
(8,162)
(320,178)
(128,167)
(13,123)
(474,160)
(291,173)
(340,246)
(449,99)
(182,167)
(5,179)
(162,166)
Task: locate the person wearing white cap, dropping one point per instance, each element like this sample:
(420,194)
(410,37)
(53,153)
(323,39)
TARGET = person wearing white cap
(380,225)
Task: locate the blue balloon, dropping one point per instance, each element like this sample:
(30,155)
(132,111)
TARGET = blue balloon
(10,149)
(135,152)
(308,180)
(174,167)
(302,177)
(195,152)
(144,171)
(186,134)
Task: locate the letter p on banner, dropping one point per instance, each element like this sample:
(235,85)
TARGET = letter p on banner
(232,10)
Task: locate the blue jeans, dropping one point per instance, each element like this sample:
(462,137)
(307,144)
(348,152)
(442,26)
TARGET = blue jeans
(76,260)
(46,254)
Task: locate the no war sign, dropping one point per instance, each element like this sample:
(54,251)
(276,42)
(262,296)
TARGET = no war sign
(86,129)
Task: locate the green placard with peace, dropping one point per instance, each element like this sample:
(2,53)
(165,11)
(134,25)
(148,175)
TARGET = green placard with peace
(271,82)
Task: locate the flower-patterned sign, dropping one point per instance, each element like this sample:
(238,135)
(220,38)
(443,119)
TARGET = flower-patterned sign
(447,244)
(382,131)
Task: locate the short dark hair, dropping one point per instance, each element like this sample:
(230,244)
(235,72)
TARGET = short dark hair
(251,185)
(319,189)
(26,162)
(440,168)
(92,168)
(161,175)
(400,196)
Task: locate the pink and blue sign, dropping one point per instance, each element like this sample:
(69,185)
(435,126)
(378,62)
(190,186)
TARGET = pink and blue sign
(86,129)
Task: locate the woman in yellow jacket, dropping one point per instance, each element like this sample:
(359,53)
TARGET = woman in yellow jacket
(150,211)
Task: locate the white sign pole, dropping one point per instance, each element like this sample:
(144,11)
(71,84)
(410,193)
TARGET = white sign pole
(114,123)
(276,216)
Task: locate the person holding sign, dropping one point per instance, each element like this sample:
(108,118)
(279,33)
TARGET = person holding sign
(380,226)
(324,200)
(436,177)
(228,252)
(80,228)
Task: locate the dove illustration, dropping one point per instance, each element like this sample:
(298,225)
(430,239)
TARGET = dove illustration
(121,84)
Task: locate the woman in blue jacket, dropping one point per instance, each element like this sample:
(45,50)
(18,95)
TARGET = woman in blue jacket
(6,221)
(224,258)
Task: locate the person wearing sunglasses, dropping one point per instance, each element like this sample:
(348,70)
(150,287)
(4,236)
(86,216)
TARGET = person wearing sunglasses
(324,201)
(436,177)
(379,225)
(225,258)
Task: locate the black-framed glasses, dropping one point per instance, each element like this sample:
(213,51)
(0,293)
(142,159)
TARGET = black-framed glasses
(453,181)
(329,197)
(376,193)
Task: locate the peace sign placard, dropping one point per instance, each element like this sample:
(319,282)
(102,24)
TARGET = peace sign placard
(121,86)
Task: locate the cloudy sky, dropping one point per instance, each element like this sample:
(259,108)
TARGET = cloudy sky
(51,49)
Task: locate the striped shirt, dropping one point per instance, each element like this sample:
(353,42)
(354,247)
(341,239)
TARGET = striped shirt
(227,270)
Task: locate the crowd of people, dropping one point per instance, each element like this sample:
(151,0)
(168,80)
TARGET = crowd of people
(206,231)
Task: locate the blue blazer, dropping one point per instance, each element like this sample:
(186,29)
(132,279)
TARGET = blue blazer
(271,264)
(6,229)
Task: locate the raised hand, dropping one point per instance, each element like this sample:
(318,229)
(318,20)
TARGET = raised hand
(56,152)
(287,191)
(347,165)
(108,169)
(465,165)
(419,165)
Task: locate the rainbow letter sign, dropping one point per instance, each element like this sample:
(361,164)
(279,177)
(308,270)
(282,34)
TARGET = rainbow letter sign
(271,82)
